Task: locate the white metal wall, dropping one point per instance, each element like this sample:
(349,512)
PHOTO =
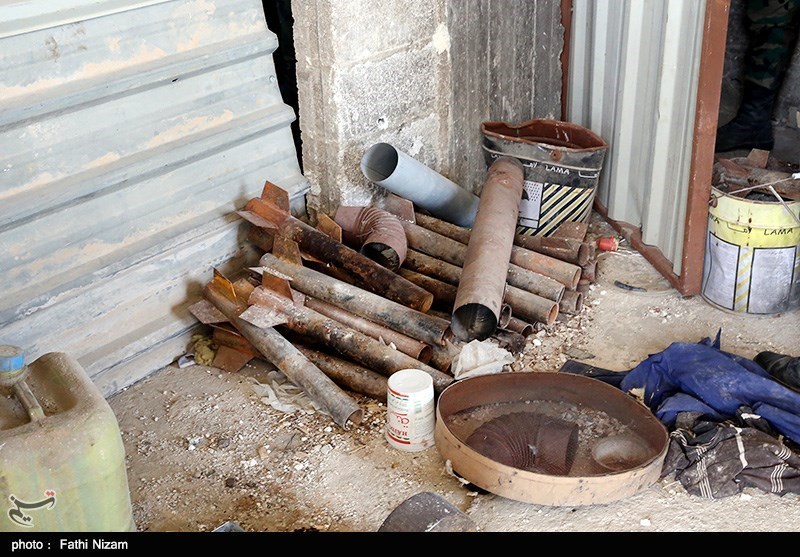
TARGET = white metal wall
(130,132)
(633,80)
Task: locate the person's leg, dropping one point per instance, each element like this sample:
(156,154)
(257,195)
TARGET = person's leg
(772,31)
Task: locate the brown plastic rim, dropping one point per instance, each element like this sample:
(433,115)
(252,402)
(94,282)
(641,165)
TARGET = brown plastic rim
(543,489)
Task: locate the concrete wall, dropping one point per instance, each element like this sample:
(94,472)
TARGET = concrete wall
(421,75)
(368,72)
(506,65)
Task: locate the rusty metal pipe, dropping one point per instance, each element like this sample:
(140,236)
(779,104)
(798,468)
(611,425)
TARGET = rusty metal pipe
(482,286)
(566,249)
(410,322)
(367,273)
(376,233)
(519,326)
(291,362)
(437,245)
(589,271)
(527,305)
(444,294)
(556,268)
(414,348)
(345,340)
(348,375)
(523,303)
(572,303)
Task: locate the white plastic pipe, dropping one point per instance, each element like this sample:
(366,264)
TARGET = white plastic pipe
(401,174)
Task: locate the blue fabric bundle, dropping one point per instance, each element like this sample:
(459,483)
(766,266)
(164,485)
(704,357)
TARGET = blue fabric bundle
(699,377)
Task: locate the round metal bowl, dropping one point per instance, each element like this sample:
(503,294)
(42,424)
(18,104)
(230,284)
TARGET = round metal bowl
(619,450)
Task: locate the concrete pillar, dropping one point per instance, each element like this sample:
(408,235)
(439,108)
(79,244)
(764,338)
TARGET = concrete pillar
(369,72)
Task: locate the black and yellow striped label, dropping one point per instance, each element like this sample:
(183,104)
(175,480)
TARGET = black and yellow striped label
(557,204)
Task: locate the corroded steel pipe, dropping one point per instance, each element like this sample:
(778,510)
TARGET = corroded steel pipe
(523,303)
(290,361)
(347,341)
(414,348)
(572,303)
(438,246)
(589,271)
(566,249)
(415,324)
(482,286)
(443,292)
(556,268)
(367,273)
(519,326)
(376,233)
(348,375)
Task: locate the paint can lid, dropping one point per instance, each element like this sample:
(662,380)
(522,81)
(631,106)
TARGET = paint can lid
(12,358)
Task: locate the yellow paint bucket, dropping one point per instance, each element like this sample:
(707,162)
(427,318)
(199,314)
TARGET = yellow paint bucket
(752,257)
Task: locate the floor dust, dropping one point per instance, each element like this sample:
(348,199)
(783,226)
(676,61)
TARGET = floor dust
(204,448)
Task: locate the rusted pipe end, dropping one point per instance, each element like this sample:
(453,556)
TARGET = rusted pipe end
(425,354)
(578,302)
(505,316)
(552,314)
(576,277)
(473,321)
(585,253)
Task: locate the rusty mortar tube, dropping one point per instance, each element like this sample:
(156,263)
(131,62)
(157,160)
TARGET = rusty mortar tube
(566,249)
(347,341)
(260,238)
(414,348)
(443,292)
(572,303)
(519,326)
(291,362)
(523,303)
(531,307)
(481,289)
(388,167)
(439,246)
(367,273)
(415,324)
(348,375)
(376,233)
(564,272)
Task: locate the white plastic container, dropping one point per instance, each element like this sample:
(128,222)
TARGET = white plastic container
(411,416)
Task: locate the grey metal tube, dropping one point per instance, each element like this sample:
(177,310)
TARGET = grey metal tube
(401,174)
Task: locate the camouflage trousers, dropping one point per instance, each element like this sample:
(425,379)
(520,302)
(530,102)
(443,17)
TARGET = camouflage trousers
(772,27)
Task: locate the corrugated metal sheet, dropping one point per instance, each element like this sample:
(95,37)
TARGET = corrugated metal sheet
(130,132)
(633,79)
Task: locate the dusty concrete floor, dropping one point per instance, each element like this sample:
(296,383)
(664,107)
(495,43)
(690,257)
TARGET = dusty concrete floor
(203,449)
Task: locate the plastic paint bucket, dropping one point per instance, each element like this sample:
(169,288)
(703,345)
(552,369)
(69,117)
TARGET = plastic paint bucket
(752,258)
(410,416)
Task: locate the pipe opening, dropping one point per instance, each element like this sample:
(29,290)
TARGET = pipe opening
(379,162)
(425,354)
(473,321)
(505,316)
(382,254)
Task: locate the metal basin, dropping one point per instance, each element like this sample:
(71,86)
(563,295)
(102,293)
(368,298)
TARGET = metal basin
(549,438)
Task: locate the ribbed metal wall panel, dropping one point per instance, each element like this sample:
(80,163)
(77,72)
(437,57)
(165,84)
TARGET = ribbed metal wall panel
(130,133)
(633,79)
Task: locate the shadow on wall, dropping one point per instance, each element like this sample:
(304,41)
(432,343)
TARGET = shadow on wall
(280,21)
